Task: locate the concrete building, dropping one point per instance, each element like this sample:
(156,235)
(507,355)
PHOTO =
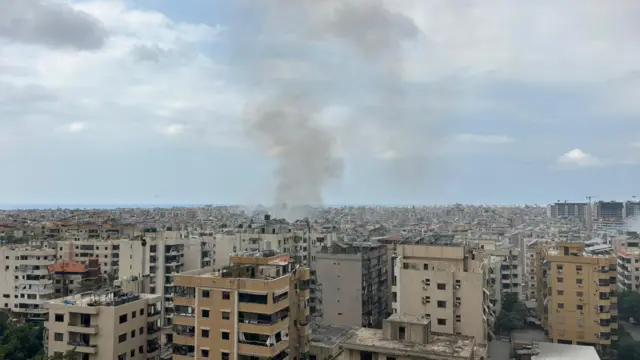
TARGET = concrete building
(25,281)
(632,209)
(353,276)
(111,325)
(578,293)
(326,341)
(442,281)
(256,307)
(71,277)
(577,210)
(505,273)
(612,211)
(629,269)
(410,337)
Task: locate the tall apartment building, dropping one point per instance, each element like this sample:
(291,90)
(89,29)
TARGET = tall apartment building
(629,269)
(632,208)
(257,307)
(578,294)
(444,282)
(353,277)
(568,210)
(612,211)
(505,272)
(111,325)
(25,281)
(410,337)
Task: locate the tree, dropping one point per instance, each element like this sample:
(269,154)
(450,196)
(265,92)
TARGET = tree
(512,316)
(628,349)
(629,304)
(20,341)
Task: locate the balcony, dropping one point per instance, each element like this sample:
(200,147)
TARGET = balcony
(260,349)
(82,347)
(83,329)
(263,324)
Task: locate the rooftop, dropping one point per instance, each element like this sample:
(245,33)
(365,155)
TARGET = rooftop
(439,344)
(106,298)
(329,335)
(553,351)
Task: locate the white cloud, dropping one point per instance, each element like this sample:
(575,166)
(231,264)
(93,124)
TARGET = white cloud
(173,129)
(578,158)
(484,139)
(76,127)
(126,91)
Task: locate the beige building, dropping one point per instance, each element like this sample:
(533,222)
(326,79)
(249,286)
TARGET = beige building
(410,337)
(443,282)
(353,278)
(104,326)
(255,308)
(25,281)
(578,293)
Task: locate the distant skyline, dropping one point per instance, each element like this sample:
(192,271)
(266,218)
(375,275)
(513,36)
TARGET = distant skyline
(141,102)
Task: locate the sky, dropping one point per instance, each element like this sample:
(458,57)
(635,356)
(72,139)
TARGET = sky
(409,101)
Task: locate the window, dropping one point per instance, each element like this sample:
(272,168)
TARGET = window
(141,331)
(560,292)
(578,267)
(123,318)
(402,333)
(579,307)
(141,312)
(424,267)
(59,317)
(226,315)
(133,334)
(458,318)
(122,338)
(133,353)
(442,322)
(560,305)
(122,356)
(225,335)
(204,313)
(442,304)
(141,349)
(405,266)
(579,294)
(133,314)
(578,281)
(58,336)
(226,296)
(205,293)
(560,279)
(204,333)
(204,353)
(224,356)
(442,286)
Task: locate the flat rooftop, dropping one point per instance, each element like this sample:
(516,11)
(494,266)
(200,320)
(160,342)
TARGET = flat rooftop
(439,344)
(102,298)
(552,351)
(329,335)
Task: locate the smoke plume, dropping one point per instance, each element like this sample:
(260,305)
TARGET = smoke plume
(288,124)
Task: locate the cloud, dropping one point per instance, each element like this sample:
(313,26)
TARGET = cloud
(578,158)
(484,139)
(76,127)
(50,23)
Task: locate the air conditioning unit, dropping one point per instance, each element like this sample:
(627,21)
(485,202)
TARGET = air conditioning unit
(426,287)
(579,285)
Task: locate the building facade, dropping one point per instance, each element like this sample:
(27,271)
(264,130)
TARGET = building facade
(255,307)
(110,325)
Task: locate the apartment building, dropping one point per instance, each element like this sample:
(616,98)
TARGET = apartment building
(410,337)
(353,277)
(578,293)
(109,325)
(629,269)
(25,281)
(257,307)
(609,211)
(632,208)
(107,251)
(565,209)
(71,277)
(443,281)
(87,226)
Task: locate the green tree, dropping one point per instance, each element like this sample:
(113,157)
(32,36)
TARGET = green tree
(512,316)
(628,349)
(20,341)
(629,304)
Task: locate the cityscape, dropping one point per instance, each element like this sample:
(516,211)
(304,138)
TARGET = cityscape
(319,180)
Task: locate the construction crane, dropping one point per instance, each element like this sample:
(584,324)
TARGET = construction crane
(590,197)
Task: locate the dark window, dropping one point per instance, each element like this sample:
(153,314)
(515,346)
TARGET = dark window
(58,336)
(123,318)
(133,314)
(141,349)
(226,296)
(141,312)
(133,334)
(205,293)
(224,356)
(204,333)
(442,322)
(226,315)
(401,333)
(122,338)
(59,317)
(225,335)
(442,304)
(442,286)
(204,313)
(204,353)
(133,353)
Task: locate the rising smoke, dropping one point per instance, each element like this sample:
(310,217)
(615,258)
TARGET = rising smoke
(288,124)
